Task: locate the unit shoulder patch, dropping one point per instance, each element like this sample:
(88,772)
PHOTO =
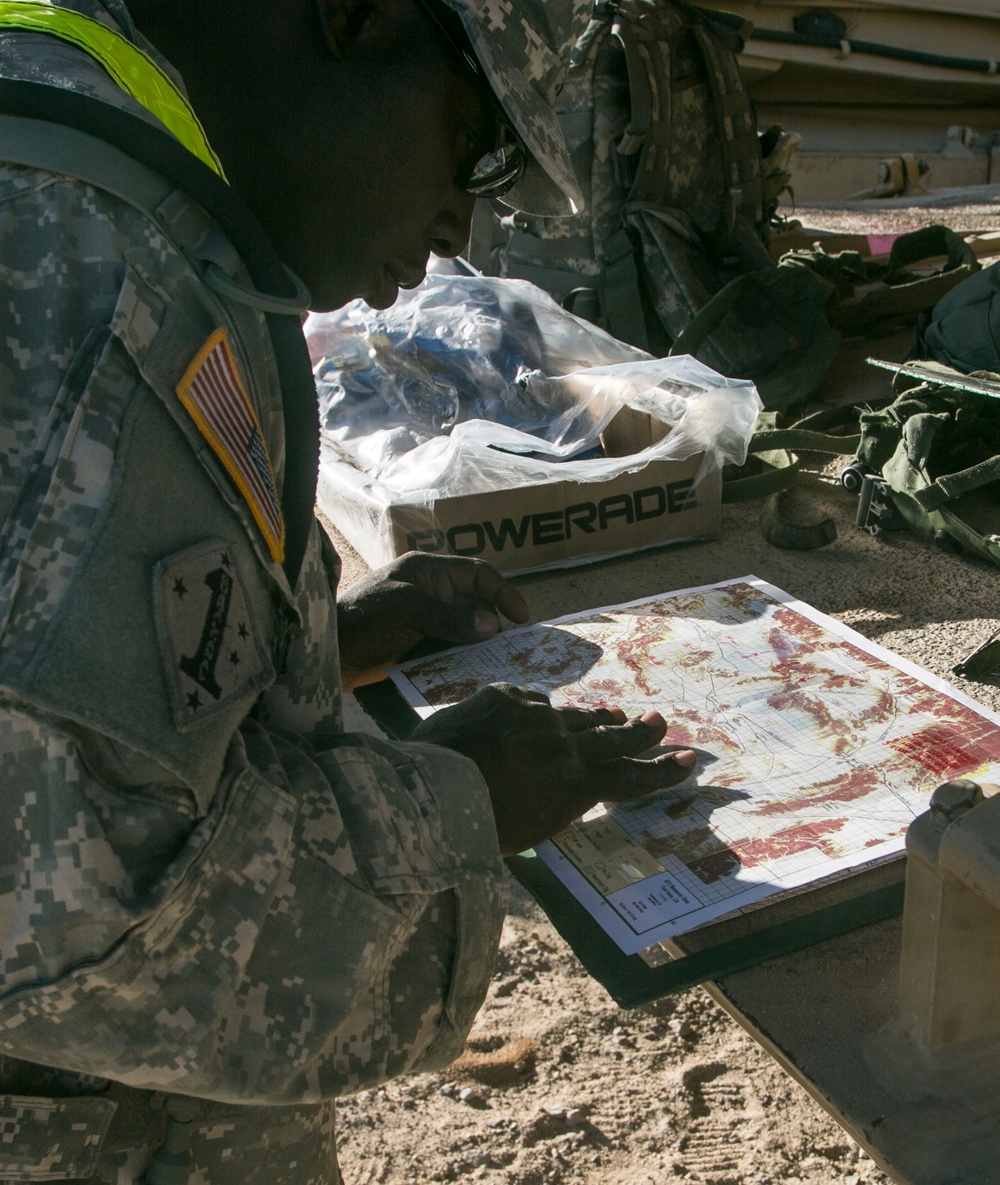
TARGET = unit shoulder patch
(211,654)
(213,394)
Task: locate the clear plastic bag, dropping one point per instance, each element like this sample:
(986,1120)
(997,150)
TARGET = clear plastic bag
(471,384)
(457,349)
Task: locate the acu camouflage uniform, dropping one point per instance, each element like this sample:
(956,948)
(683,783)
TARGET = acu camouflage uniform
(216,909)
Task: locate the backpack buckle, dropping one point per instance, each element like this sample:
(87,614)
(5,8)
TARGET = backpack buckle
(876,510)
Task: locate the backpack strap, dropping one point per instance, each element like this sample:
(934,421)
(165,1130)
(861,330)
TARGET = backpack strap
(626,152)
(773,450)
(804,440)
(736,127)
(58,149)
(621,286)
(954,485)
(37,144)
(776,471)
(730,28)
(642,156)
(711,315)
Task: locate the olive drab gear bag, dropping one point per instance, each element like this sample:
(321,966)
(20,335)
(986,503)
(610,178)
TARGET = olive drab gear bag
(679,198)
(930,460)
(873,297)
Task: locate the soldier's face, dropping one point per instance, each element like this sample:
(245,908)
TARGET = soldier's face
(372,187)
(406,202)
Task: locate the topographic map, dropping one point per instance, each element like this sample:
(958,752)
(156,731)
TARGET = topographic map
(816,747)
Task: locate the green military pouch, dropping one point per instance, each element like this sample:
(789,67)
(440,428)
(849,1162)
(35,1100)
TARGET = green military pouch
(872,297)
(930,460)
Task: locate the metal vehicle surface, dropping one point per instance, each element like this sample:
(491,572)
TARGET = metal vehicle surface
(868,81)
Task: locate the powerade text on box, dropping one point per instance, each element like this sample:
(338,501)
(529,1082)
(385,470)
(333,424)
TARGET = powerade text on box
(494,537)
(544,525)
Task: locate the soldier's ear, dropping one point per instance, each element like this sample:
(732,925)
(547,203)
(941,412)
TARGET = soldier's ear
(343,21)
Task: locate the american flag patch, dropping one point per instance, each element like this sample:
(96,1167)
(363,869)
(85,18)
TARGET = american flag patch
(213,394)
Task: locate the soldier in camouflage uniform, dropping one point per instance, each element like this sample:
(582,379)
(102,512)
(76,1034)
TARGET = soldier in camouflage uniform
(218,912)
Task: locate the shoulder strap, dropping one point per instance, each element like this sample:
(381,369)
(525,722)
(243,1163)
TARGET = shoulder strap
(953,485)
(36,144)
(642,155)
(627,150)
(730,28)
(131,68)
(178,168)
(711,315)
(622,301)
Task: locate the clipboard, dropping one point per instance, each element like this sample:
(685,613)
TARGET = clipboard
(777,926)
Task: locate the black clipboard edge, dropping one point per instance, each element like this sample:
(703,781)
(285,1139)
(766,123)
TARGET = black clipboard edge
(630,981)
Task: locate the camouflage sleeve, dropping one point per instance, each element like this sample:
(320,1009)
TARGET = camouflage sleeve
(329,925)
(228,906)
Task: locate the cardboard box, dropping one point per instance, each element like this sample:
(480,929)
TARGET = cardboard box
(547,525)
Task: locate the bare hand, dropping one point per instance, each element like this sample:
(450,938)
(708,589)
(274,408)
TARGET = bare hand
(546,766)
(415,597)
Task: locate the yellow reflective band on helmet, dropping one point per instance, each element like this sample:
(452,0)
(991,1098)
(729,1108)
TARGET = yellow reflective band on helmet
(131,68)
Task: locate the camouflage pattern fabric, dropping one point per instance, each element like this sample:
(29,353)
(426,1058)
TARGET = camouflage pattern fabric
(218,911)
(664,142)
(593,107)
(678,202)
(524,48)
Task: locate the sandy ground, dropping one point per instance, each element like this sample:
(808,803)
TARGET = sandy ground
(558,1085)
(898,215)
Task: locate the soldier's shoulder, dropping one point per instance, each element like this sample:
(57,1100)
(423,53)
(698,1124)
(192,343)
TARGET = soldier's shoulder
(57,197)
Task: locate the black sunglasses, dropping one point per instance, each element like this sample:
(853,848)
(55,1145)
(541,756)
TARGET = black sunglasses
(496,172)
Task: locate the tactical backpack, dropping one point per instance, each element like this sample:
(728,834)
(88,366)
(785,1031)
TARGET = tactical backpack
(930,461)
(670,252)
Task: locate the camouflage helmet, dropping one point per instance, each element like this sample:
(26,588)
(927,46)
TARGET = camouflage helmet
(524,48)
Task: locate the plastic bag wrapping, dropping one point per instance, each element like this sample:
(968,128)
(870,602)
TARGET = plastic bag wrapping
(471,385)
(445,388)
(459,348)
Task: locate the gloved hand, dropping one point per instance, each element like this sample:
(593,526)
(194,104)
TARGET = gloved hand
(546,766)
(419,596)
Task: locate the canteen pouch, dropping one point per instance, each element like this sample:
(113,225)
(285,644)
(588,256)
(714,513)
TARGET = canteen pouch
(52,1139)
